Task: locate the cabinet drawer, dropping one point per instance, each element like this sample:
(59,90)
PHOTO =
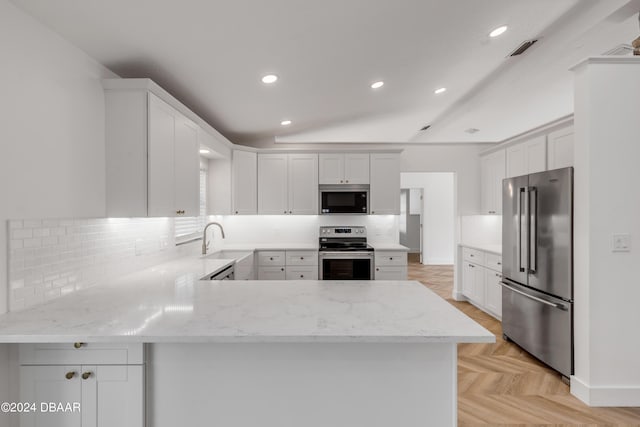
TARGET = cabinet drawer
(473,255)
(271,258)
(390,258)
(271,273)
(302,273)
(85,353)
(493,261)
(390,273)
(302,258)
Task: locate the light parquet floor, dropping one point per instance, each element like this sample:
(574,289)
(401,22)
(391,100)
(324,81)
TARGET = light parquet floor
(501,385)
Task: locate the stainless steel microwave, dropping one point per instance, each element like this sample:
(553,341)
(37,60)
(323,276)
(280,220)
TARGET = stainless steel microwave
(344,199)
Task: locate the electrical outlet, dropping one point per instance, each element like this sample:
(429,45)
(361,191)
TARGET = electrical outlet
(621,243)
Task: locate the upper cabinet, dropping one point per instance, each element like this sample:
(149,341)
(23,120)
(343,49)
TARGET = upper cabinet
(152,157)
(288,184)
(527,157)
(344,168)
(244,183)
(560,148)
(492,167)
(384,192)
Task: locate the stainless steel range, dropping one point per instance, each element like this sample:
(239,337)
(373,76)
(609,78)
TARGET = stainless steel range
(344,254)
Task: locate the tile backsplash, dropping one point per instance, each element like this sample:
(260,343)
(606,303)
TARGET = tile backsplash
(49,258)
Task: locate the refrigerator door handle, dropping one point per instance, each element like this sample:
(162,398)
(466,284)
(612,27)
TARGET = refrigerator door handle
(519,233)
(524,294)
(523,241)
(533,226)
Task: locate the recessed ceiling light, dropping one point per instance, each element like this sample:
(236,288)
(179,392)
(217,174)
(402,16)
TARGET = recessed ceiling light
(269,78)
(441,90)
(285,122)
(203,151)
(377,85)
(498,31)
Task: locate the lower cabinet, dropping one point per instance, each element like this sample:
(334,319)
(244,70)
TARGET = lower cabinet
(390,265)
(481,277)
(83,395)
(287,265)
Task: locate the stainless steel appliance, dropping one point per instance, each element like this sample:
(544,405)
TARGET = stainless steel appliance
(344,254)
(537,265)
(344,199)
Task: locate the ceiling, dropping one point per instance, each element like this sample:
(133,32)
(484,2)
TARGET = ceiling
(212,54)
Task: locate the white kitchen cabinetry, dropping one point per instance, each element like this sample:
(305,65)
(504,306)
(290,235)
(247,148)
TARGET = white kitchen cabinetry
(481,276)
(152,166)
(492,168)
(390,265)
(244,183)
(560,148)
(288,265)
(288,184)
(384,192)
(107,394)
(344,168)
(527,157)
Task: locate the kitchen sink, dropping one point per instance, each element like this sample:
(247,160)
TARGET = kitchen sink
(235,255)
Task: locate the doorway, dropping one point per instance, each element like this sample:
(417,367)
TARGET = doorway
(427,216)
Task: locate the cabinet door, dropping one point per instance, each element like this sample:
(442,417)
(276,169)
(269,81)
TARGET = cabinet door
(477,293)
(331,168)
(499,170)
(517,160)
(186,168)
(560,148)
(50,384)
(298,272)
(271,273)
(244,182)
(385,184)
(390,273)
(537,155)
(160,197)
(468,279)
(113,396)
(493,292)
(303,184)
(272,184)
(356,168)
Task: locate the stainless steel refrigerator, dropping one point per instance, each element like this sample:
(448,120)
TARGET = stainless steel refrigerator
(537,265)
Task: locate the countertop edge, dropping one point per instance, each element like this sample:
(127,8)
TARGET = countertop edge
(481,248)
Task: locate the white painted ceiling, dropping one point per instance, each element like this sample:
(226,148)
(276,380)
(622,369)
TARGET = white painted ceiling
(212,54)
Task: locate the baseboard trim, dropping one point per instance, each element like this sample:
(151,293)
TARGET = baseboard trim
(457,296)
(605,396)
(438,261)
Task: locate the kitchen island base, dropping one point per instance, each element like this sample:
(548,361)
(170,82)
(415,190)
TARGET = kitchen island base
(301,384)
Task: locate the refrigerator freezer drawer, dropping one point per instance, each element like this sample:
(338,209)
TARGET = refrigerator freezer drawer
(540,324)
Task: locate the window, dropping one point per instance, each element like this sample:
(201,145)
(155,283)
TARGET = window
(190,228)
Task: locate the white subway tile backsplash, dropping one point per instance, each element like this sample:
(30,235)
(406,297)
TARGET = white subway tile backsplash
(49,258)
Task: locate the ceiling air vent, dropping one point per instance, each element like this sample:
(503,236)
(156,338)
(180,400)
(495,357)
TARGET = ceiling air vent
(425,127)
(620,50)
(523,47)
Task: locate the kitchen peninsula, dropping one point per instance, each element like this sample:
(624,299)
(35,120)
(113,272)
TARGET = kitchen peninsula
(312,353)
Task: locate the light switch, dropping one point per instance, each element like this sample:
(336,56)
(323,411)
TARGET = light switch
(621,243)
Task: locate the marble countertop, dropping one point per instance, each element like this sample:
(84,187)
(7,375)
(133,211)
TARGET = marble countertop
(268,247)
(496,249)
(168,303)
(389,247)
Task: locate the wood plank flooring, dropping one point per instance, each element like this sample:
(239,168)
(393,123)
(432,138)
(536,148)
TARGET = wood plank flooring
(501,385)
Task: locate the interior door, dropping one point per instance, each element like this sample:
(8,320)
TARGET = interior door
(551,245)
(514,229)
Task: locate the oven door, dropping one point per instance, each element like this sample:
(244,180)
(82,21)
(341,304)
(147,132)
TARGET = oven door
(344,201)
(346,265)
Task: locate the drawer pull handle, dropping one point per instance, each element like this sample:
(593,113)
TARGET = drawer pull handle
(390,258)
(377,269)
(78,344)
(282,269)
(302,276)
(70,375)
(499,263)
(301,257)
(86,375)
(271,258)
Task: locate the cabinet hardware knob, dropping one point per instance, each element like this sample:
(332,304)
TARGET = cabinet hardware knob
(347,181)
(78,344)
(285,211)
(340,181)
(290,212)
(270,258)
(377,269)
(236,212)
(86,375)
(282,269)
(302,276)
(499,263)
(70,375)
(390,258)
(301,257)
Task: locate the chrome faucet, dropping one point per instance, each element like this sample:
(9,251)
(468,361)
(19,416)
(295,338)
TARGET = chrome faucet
(205,244)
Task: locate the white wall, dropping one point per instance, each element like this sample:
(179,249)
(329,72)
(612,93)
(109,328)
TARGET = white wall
(438,220)
(606,294)
(52,107)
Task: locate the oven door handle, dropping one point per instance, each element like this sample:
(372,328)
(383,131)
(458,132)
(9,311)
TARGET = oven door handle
(344,254)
